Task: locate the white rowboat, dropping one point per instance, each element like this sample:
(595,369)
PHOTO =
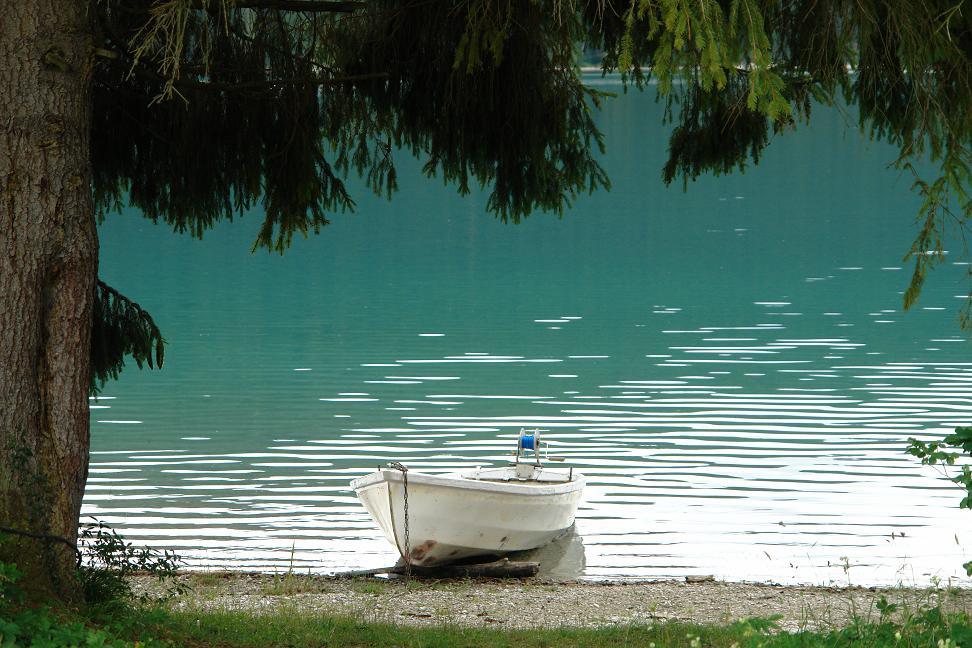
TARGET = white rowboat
(483,512)
(489,511)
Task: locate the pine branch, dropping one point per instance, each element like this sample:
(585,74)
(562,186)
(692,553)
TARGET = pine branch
(140,69)
(221,86)
(121,327)
(331,6)
(304,6)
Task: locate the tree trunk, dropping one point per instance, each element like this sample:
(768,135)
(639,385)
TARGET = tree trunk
(48,266)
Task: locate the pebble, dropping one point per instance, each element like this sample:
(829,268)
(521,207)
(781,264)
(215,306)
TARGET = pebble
(532,603)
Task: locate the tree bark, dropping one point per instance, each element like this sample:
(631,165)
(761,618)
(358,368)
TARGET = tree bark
(48,267)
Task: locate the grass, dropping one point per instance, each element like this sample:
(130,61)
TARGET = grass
(368,587)
(157,626)
(288,584)
(117,616)
(915,620)
(294,629)
(210,579)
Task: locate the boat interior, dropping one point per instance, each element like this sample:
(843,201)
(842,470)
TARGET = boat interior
(538,476)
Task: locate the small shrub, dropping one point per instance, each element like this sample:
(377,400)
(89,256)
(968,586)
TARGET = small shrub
(10,594)
(955,446)
(44,626)
(107,562)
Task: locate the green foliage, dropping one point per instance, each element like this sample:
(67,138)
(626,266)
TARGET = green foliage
(717,60)
(487,92)
(108,561)
(209,107)
(714,126)
(922,628)
(737,66)
(10,594)
(756,626)
(121,327)
(709,42)
(207,110)
(204,109)
(150,626)
(47,626)
(944,453)
(885,609)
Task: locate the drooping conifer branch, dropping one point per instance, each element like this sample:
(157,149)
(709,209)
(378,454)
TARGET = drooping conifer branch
(906,65)
(300,6)
(311,6)
(488,96)
(121,328)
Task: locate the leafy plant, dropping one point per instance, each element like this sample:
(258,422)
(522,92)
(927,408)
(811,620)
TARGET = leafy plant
(945,453)
(10,594)
(47,627)
(107,562)
(758,625)
(885,609)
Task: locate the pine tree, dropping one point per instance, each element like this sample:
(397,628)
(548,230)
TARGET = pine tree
(193,111)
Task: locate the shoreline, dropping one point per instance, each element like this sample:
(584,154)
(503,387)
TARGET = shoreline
(533,603)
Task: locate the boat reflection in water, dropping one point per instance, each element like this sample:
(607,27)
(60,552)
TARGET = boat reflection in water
(561,560)
(439,519)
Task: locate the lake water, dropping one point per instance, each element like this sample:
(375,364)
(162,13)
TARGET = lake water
(730,367)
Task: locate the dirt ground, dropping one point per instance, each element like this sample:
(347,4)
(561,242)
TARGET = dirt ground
(534,603)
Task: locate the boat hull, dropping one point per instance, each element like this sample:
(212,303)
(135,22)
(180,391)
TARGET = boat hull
(455,516)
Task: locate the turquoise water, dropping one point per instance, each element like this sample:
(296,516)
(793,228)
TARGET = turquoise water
(730,366)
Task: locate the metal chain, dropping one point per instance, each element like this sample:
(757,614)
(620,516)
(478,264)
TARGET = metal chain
(408,564)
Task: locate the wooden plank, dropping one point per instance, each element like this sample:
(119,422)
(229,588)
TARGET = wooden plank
(502,568)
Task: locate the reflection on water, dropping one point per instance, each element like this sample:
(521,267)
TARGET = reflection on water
(561,560)
(728,366)
(695,474)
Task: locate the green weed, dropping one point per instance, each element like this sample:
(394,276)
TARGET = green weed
(107,561)
(288,584)
(368,587)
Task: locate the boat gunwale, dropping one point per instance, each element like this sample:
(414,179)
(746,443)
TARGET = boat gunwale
(458,481)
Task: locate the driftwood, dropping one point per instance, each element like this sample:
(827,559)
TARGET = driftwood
(502,568)
(355,573)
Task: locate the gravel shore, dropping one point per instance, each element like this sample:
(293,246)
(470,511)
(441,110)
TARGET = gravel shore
(532,603)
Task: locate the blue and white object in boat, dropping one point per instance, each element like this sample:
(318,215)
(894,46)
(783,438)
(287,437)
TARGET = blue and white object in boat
(486,511)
